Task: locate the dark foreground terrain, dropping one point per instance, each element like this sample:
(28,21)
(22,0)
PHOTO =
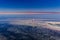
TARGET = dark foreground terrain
(24,32)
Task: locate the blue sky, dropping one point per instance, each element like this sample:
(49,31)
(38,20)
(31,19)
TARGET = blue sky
(31,5)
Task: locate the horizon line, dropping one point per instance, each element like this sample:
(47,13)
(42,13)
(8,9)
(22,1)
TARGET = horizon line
(29,12)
